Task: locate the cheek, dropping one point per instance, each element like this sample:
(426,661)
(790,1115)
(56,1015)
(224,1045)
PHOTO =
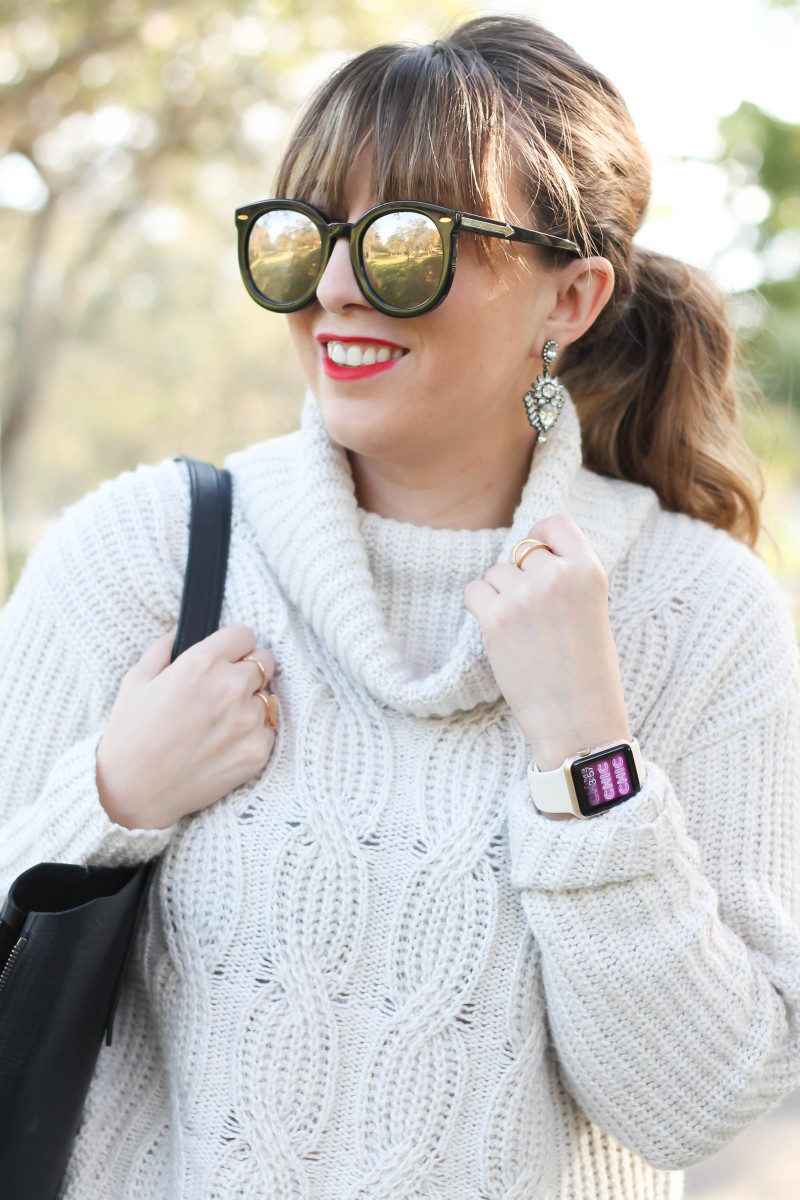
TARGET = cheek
(480,337)
(298,328)
(301,333)
(486,313)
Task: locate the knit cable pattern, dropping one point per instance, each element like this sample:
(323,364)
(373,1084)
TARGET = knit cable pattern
(375,970)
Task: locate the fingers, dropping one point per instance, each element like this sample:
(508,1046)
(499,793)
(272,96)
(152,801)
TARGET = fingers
(234,644)
(565,545)
(262,662)
(157,656)
(573,555)
(564,537)
(478,597)
(231,642)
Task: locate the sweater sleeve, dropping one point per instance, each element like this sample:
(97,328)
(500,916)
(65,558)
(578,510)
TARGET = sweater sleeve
(102,584)
(669,926)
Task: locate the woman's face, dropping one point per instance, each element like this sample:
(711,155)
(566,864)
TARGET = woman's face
(457,390)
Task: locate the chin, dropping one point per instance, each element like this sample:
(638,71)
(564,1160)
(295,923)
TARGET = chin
(362,424)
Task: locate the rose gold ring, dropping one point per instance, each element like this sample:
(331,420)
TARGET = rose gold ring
(260,666)
(532,544)
(271,703)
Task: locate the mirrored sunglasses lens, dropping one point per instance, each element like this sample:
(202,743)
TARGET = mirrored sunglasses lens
(283,253)
(403,258)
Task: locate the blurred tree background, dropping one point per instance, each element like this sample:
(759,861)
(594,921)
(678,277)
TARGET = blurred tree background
(129,132)
(761,154)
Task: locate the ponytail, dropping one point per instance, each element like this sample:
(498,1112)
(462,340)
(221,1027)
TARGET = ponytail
(660,403)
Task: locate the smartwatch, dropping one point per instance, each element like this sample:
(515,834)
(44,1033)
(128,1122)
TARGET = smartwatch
(592,781)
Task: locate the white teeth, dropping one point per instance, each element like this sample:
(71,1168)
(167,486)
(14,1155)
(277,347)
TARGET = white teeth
(352,355)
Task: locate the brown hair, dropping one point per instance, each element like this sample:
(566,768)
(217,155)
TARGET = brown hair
(657,379)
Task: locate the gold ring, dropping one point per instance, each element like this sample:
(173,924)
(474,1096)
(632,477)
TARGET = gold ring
(271,703)
(532,544)
(250,658)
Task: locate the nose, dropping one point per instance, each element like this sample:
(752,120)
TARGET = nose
(338,285)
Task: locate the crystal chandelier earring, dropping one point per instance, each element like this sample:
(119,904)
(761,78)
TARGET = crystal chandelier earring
(544,399)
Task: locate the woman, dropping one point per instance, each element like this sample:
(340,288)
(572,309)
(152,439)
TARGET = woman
(389,950)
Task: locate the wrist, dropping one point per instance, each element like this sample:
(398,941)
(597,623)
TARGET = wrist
(113,803)
(549,755)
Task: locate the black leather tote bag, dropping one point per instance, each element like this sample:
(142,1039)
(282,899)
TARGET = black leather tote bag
(66,931)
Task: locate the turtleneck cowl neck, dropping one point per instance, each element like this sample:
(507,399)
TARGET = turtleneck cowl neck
(331,559)
(419,574)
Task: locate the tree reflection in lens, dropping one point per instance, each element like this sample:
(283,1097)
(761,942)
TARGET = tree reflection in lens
(403,258)
(283,253)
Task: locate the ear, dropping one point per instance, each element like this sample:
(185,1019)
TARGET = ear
(584,288)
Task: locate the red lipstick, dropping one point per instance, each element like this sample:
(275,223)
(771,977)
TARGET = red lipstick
(339,371)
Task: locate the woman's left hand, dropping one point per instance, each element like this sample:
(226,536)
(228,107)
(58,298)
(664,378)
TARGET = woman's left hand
(547,635)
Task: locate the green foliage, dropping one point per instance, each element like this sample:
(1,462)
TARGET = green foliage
(767,152)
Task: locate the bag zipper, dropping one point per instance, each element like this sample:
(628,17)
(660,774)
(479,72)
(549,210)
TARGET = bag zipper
(10,961)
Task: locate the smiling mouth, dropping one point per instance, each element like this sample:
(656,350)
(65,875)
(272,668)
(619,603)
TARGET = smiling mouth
(353,354)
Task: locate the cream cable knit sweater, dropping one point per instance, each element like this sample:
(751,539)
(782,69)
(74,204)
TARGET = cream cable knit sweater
(375,970)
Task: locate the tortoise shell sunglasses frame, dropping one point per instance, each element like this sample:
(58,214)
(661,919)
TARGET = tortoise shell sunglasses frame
(448,221)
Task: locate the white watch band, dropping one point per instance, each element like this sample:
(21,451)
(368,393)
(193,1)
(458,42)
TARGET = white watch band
(554,791)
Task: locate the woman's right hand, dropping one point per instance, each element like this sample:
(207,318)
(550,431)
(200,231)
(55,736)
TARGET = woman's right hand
(183,734)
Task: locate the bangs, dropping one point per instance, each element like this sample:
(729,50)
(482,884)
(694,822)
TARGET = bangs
(434,125)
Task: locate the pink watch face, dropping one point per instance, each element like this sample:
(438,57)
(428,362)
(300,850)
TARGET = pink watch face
(605,779)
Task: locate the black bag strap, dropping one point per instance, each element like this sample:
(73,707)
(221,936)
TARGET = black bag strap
(201,604)
(209,538)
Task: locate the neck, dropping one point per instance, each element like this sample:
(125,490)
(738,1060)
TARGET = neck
(480,494)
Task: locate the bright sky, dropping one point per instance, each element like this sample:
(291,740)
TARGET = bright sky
(680,66)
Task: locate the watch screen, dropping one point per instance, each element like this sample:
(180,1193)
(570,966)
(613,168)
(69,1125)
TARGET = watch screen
(605,779)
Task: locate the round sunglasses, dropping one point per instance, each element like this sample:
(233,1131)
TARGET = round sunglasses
(403,252)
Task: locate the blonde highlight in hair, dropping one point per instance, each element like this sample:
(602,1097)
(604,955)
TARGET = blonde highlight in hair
(656,379)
